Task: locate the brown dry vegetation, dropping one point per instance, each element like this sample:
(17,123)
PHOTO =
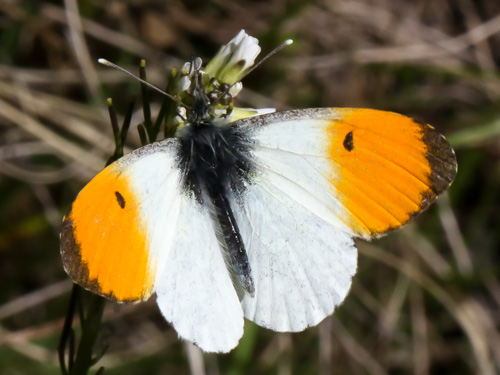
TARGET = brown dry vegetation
(426,299)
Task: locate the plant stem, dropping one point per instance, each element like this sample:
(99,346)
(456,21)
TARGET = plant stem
(90,331)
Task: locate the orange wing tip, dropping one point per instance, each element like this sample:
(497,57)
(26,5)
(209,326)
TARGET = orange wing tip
(443,170)
(78,269)
(391,168)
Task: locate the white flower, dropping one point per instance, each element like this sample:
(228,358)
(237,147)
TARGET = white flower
(234,59)
(220,81)
(235,89)
(183,84)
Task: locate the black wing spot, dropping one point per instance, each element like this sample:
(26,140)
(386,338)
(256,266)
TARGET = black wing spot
(348,142)
(120,199)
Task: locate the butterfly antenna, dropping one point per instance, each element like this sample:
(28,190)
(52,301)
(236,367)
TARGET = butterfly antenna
(286,43)
(114,66)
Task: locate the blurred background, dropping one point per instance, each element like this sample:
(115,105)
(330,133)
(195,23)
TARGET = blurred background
(426,299)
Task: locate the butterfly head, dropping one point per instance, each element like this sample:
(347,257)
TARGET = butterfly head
(203,98)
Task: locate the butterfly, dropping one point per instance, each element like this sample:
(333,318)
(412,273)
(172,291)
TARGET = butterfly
(253,218)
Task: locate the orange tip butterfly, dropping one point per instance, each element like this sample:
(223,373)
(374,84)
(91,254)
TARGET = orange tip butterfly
(253,218)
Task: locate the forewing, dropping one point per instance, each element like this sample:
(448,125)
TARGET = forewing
(364,171)
(118,233)
(195,292)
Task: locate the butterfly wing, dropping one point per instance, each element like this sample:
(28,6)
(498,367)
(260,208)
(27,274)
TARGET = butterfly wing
(364,171)
(323,176)
(133,230)
(301,265)
(115,239)
(195,292)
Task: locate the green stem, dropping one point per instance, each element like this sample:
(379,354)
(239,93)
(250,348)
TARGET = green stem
(66,332)
(90,332)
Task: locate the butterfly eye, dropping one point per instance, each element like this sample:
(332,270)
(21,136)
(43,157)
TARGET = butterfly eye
(213,96)
(226,99)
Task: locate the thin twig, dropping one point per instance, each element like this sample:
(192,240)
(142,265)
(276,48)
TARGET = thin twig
(34,298)
(454,236)
(195,359)
(355,349)
(50,137)
(107,35)
(80,49)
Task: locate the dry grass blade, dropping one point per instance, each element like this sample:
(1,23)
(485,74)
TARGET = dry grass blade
(195,358)
(39,177)
(421,348)
(429,52)
(391,313)
(79,46)
(111,37)
(325,347)
(355,350)
(427,252)
(34,298)
(478,325)
(472,327)
(42,132)
(32,351)
(454,236)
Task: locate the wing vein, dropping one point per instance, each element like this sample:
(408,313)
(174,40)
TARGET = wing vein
(305,191)
(320,156)
(357,188)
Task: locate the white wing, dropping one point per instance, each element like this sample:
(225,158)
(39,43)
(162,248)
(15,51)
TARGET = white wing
(301,265)
(132,231)
(324,176)
(302,260)
(193,287)
(194,291)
